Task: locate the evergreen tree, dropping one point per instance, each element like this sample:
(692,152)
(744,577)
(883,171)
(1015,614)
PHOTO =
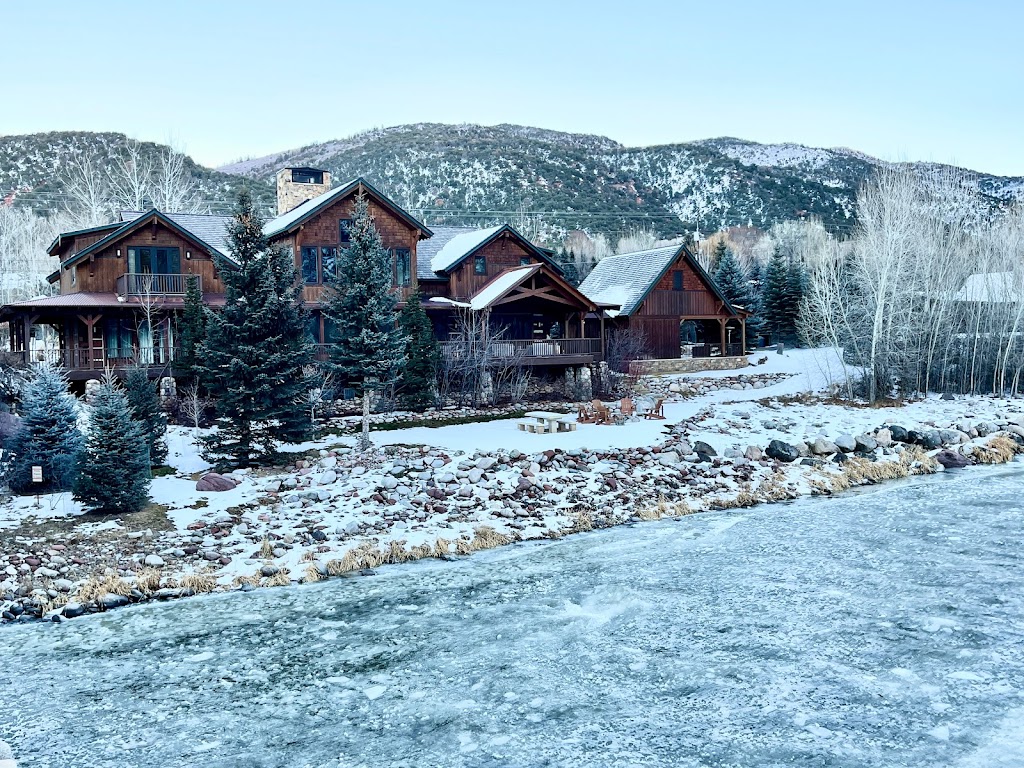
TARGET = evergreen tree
(719,254)
(115,460)
(796,286)
(145,407)
(775,297)
(192,330)
(731,278)
(359,300)
(255,348)
(417,379)
(47,436)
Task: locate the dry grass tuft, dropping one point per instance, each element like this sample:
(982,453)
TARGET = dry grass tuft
(421,551)
(584,521)
(396,553)
(664,508)
(463,546)
(744,498)
(309,556)
(148,580)
(252,581)
(266,549)
(280,579)
(486,537)
(95,587)
(999,450)
(857,471)
(312,574)
(199,583)
(774,489)
(441,547)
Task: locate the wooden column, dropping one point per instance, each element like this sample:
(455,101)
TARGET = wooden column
(743,333)
(604,349)
(721,328)
(90,323)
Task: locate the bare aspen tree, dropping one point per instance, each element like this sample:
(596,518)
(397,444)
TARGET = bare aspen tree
(130,177)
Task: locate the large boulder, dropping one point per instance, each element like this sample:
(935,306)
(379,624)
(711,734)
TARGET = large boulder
(884,437)
(823,447)
(865,443)
(781,451)
(700,447)
(952,460)
(211,481)
(898,433)
(846,443)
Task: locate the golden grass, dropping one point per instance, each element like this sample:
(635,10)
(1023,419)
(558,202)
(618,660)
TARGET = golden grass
(266,549)
(252,580)
(148,580)
(664,508)
(312,574)
(999,450)
(463,546)
(198,583)
(396,553)
(858,471)
(486,537)
(309,556)
(95,587)
(280,579)
(584,521)
(441,547)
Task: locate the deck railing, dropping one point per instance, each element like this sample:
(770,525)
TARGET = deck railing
(526,348)
(83,359)
(144,284)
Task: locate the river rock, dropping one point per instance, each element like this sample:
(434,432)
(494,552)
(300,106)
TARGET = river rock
(754,453)
(63,585)
(73,610)
(212,481)
(781,451)
(846,443)
(702,448)
(823,447)
(865,443)
(668,458)
(154,561)
(884,437)
(898,433)
(952,459)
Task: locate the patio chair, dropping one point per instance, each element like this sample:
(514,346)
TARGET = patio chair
(602,414)
(585,414)
(627,408)
(657,410)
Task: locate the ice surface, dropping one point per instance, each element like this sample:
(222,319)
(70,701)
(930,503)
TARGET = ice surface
(875,629)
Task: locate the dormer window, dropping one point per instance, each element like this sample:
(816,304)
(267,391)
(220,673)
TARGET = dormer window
(677,280)
(524,261)
(345,231)
(480,265)
(403,267)
(307,176)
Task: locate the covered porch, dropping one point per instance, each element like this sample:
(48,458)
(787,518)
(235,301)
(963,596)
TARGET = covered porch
(528,314)
(87,334)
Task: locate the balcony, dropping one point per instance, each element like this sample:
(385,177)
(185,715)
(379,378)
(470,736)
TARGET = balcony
(83,363)
(528,351)
(148,284)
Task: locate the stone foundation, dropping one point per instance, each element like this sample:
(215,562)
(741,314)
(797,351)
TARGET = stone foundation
(686,365)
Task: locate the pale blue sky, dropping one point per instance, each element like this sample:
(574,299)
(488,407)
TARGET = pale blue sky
(940,81)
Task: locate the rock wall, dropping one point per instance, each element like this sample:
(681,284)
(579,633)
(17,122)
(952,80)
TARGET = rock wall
(686,365)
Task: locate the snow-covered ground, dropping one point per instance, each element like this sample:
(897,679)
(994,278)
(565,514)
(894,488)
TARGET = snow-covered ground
(874,629)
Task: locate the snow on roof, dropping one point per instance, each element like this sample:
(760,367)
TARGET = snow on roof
(992,287)
(278,225)
(624,279)
(459,246)
(500,285)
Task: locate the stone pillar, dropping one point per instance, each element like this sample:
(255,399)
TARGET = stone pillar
(168,389)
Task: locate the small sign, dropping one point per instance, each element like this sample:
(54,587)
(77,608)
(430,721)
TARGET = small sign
(37,474)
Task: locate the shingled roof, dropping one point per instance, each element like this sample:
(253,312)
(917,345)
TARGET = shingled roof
(211,229)
(626,279)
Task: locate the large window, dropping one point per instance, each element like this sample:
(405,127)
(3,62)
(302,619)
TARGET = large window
(403,267)
(318,263)
(154,261)
(480,265)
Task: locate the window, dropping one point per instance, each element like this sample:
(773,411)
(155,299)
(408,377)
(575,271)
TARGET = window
(524,261)
(154,261)
(403,267)
(307,176)
(344,231)
(310,275)
(480,265)
(74,274)
(328,263)
(677,280)
(313,328)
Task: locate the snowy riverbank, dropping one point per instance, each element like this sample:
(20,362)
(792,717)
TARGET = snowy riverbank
(451,490)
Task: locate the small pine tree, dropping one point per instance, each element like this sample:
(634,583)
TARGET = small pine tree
(145,408)
(115,461)
(731,279)
(417,380)
(47,436)
(368,348)
(255,348)
(718,255)
(191,331)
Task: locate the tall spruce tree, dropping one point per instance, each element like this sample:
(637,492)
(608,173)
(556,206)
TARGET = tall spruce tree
(47,436)
(115,461)
(255,348)
(796,286)
(775,297)
(417,379)
(731,278)
(145,407)
(191,330)
(367,351)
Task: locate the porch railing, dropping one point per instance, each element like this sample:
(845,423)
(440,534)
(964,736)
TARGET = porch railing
(84,359)
(714,350)
(526,348)
(143,284)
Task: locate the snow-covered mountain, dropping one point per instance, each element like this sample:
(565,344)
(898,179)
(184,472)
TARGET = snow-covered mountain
(557,181)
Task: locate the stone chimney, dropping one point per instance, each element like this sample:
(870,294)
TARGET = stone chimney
(297,185)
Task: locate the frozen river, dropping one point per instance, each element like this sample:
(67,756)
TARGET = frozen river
(878,629)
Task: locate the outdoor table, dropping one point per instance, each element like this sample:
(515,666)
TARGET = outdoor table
(548,418)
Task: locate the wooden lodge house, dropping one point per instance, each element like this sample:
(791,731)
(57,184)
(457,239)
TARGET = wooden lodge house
(119,287)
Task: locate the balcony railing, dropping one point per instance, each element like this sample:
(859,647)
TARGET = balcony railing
(524,348)
(146,284)
(84,359)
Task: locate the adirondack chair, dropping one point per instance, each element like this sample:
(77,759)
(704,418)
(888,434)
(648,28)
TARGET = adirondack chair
(657,411)
(627,408)
(585,414)
(602,415)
